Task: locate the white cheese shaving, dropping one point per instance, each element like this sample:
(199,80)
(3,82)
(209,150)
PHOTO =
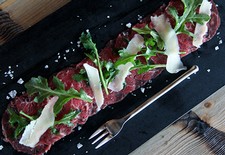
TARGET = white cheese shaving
(38,127)
(201,30)
(168,35)
(95,83)
(118,82)
(135,44)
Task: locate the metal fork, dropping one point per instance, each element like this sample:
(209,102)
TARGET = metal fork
(113,127)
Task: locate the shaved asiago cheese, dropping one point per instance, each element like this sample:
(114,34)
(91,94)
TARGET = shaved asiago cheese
(168,35)
(38,127)
(119,80)
(201,30)
(95,83)
(135,45)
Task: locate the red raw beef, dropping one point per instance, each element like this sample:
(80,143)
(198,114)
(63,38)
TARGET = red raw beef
(134,81)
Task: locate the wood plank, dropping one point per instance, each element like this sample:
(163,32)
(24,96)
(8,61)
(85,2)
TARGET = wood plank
(177,140)
(18,15)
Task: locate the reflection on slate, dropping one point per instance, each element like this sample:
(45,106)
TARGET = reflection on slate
(213,138)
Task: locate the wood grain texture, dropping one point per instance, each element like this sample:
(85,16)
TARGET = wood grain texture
(26,13)
(177,139)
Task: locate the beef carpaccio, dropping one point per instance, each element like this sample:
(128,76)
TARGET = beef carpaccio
(134,80)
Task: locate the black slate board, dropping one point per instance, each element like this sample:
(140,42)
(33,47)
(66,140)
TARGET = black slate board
(39,46)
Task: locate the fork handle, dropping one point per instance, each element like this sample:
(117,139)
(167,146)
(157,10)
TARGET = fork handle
(181,78)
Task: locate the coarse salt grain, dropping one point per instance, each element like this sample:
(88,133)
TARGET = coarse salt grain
(128,25)
(79,128)
(12,93)
(220,42)
(188,78)
(208,70)
(143,90)
(108,17)
(46,66)
(20,81)
(217,48)
(7,97)
(78,43)
(1,147)
(79,145)
(67,51)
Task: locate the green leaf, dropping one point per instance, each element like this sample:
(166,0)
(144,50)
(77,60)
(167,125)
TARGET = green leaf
(124,60)
(39,87)
(58,84)
(199,18)
(17,122)
(67,118)
(145,30)
(88,44)
(31,118)
(174,13)
(81,76)
(189,15)
(142,68)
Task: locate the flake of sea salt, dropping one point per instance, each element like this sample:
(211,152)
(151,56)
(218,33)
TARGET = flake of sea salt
(46,66)
(20,81)
(79,128)
(7,97)
(67,51)
(217,48)
(128,25)
(108,17)
(1,147)
(220,42)
(79,145)
(12,93)
(142,90)
(208,70)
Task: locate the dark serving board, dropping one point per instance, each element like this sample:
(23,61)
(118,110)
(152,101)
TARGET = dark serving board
(30,52)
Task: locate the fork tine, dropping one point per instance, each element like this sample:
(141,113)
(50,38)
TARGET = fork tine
(108,138)
(101,136)
(99,130)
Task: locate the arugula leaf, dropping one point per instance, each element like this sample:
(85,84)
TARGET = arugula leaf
(31,118)
(81,76)
(17,122)
(67,118)
(39,86)
(88,44)
(151,37)
(144,30)
(109,72)
(142,68)
(189,15)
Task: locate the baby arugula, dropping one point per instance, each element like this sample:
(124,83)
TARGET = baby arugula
(18,122)
(21,120)
(88,44)
(108,70)
(189,15)
(39,87)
